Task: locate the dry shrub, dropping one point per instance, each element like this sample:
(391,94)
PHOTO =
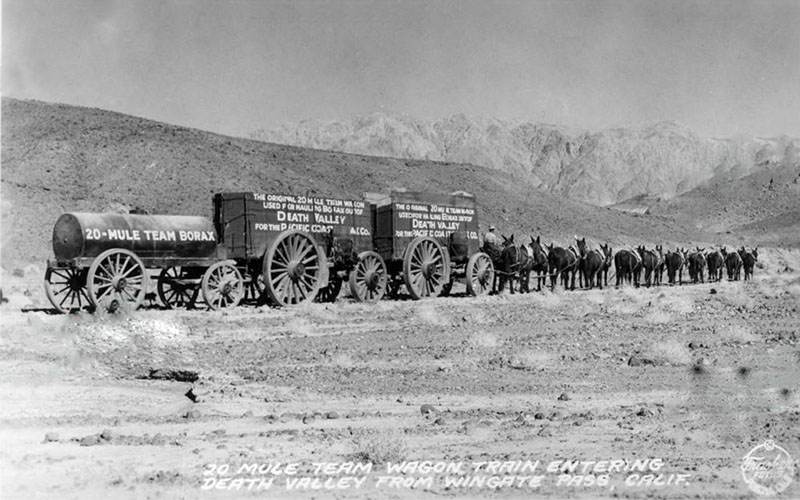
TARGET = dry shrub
(678,304)
(625,301)
(300,326)
(672,352)
(737,296)
(737,333)
(529,359)
(596,297)
(548,299)
(429,314)
(343,359)
(657,316)
(379,448)
(794,291)
(485,339)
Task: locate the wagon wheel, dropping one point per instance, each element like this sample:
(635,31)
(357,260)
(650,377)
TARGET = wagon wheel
(330,292)
(174,294)
(480,274)
(116,277)
(425,268)
(294,268)
(66,289)
(368,279)
(222,286)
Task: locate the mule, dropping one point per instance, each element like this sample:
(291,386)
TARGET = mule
(749,260)
(627,264)
(733,264)
(715,264)
(508,265)
(591,262)
(674,262)
(535,260)
(562,262)
(649,264)
(697,264)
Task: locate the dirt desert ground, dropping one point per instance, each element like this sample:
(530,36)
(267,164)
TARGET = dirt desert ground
(693,376)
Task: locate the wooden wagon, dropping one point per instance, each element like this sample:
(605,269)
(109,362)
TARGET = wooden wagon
(295,249)
(102,261)
(429,241)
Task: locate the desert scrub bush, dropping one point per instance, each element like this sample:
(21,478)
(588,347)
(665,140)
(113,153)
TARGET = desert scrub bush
(379,448)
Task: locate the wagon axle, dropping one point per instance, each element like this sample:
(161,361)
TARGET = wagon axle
(296,270)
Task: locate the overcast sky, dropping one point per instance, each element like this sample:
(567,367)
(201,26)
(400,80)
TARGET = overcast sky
(231,66)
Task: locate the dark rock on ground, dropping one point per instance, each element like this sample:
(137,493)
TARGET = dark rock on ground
(427,409)
(92,440)
(176,375)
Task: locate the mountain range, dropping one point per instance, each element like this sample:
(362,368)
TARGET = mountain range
(604,167)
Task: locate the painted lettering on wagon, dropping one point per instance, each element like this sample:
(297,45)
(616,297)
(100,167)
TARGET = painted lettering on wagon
(310,214)
(436,221)
(147,235)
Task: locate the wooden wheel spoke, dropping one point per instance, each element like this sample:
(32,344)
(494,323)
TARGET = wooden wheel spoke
(107,271)
(305,251)
(130,270)
(65,277)
(294,245)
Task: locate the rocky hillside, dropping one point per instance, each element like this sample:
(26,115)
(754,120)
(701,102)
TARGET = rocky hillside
(763,205)
(602,168)
(58,158)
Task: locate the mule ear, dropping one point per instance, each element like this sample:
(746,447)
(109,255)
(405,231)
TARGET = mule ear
(511,239)
(539,239)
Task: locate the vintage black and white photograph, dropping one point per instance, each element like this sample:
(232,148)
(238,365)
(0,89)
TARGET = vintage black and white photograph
(425,249)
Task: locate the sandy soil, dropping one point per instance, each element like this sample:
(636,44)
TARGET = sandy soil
(695,376)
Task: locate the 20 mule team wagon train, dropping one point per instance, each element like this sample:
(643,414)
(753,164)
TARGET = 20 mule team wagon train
(274,248)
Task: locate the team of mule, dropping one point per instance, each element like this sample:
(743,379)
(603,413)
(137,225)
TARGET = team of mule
(590,266)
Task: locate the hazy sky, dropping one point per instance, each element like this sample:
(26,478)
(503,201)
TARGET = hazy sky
(231,66)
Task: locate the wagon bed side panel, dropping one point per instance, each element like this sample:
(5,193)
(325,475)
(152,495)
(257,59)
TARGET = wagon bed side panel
(268,215)
(411,214)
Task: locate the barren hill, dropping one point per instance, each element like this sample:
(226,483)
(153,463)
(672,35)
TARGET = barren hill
(762,206)
(601,167)
(58,158)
